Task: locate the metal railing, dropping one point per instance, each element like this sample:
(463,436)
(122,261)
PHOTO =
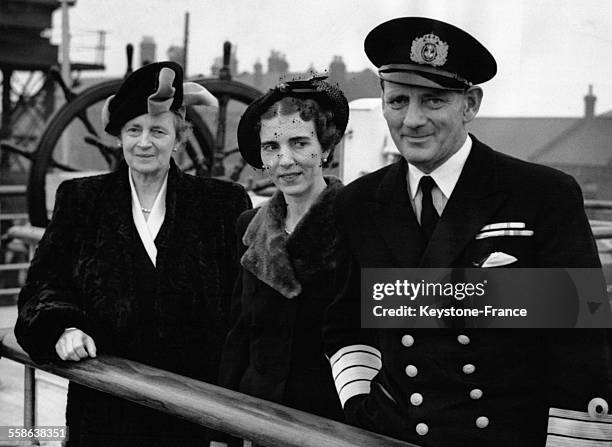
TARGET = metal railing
(13,190)
(29,235)
(598,204)
(602,232)
(9,191)
(221,409)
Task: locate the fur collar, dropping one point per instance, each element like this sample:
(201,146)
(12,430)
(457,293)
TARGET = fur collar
(285,262)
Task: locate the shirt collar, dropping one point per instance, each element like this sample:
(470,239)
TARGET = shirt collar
(446,175)
(148,229)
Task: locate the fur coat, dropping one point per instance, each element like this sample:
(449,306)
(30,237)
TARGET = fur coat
(91,272)
(274,351)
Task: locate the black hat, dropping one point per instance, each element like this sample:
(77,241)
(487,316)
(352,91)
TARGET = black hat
(429,53)
(155,88)
(325,94)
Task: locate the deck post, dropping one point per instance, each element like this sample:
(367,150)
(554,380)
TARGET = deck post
(29,399)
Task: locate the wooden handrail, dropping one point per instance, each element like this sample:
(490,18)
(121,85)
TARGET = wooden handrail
(244,416)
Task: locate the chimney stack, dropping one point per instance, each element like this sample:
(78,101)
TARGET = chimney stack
(589,103)
(147,50)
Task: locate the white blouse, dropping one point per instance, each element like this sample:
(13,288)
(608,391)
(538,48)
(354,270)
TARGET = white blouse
(148,229)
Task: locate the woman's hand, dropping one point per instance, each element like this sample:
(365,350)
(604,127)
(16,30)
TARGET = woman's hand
(75,345)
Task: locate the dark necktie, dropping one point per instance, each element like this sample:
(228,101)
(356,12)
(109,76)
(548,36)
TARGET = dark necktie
(429,215)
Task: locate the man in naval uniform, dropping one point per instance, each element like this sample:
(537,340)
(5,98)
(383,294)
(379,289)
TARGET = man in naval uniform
(452,201)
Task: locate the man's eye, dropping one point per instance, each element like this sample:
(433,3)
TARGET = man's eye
(397,103)
(300,144)
(434,102)
(267,147)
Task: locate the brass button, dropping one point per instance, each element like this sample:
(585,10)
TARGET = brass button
(407,340)
(411,371)
(416,399)
(463,339)
(598,407)
(468,368)
(422,429)
(482,422)
(475,394)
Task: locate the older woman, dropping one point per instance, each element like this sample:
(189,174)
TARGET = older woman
(289,250)
(138,263)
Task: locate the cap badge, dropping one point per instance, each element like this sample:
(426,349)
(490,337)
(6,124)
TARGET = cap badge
(429,49)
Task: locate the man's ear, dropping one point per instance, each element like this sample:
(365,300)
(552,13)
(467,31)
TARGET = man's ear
(473,98)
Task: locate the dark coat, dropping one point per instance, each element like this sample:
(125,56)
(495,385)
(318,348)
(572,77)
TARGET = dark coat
(522,374)
(275,349)
(91,272)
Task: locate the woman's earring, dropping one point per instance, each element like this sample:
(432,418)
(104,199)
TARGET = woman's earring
(174,149)
(119,144)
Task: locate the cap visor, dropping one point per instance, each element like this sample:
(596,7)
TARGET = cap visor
(418,79)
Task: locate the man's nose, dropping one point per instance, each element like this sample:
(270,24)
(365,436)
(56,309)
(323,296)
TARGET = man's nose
(414,116)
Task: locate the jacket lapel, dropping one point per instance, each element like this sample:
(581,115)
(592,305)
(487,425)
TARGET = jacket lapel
(395,217)
(173,206)
(474,200)
(116,233)
(116,206)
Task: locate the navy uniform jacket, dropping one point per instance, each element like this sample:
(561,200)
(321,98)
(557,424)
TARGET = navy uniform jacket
(476,387)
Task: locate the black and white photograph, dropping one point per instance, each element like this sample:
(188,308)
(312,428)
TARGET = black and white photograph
(306,223)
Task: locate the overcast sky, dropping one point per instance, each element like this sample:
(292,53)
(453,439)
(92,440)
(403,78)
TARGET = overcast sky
(548,51)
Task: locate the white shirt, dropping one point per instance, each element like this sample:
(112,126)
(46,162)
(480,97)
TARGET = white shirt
(446,176)
(148,229)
